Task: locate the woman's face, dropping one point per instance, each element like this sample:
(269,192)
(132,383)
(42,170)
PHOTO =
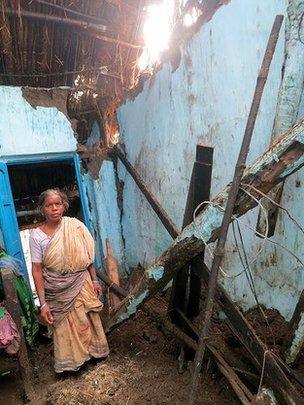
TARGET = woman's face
(53,208)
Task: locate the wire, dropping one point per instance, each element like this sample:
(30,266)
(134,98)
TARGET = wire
(276,204)
(264,236)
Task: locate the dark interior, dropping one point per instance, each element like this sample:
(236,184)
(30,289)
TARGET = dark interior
(28,181)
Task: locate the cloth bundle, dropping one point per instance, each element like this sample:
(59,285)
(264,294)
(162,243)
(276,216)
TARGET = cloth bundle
(9,335)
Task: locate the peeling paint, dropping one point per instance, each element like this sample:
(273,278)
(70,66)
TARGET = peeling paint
(203,226)
(155,273)
(132,307)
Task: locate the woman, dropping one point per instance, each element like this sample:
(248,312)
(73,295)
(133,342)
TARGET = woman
(62,252)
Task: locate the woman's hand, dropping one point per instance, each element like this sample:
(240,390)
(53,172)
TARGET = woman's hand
(97,288)
(46,315)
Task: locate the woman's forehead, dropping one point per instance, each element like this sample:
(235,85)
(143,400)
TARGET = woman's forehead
(52,198)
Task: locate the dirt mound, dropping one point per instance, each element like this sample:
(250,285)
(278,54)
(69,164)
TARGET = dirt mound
(141,369)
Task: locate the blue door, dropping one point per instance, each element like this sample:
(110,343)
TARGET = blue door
(85,210)
(84,206)
(8,219)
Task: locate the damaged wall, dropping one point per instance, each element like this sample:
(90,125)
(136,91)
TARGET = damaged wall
(105,207)
(207,100)
(32,126)
(25,130)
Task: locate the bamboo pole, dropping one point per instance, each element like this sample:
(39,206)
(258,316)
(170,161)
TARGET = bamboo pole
(232,196)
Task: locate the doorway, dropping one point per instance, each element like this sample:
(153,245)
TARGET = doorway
(21,183)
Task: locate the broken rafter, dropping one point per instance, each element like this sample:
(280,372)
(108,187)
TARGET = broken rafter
(91,29)
(160,212)
(277,163)
(98,20)
(242,392)
(285,157)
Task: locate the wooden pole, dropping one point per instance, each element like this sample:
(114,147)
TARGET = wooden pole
(238,174)
(158,209)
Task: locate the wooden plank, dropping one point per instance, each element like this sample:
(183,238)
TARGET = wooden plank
(12,305)
(199,191)
(202,187)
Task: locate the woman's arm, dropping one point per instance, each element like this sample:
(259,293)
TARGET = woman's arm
(96,285)
(39,284)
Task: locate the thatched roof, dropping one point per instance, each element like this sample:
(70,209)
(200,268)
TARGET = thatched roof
(89,45)
(47,43)
(92,46)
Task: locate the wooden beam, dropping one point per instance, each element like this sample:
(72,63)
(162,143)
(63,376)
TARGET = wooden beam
(12,305)
(282,159)
(152,200)
(259,352)
(241,391)
(96,20)
(33,15)
(239,388)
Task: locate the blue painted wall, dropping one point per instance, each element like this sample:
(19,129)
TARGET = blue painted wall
(207,100)
(25,130)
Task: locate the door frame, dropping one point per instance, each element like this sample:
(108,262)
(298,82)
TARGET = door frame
(71,157)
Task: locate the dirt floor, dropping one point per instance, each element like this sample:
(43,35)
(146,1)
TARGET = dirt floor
(141,369)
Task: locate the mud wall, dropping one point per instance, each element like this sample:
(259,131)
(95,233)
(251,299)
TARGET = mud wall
(207,100)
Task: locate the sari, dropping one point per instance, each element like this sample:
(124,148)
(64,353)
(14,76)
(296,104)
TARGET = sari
(77,330)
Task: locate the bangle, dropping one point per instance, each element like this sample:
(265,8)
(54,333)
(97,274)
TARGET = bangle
(43,305)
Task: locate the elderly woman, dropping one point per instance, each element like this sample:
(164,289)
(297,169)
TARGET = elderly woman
(62,252)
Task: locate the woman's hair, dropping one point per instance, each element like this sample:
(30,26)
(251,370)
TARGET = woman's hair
(51,191)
